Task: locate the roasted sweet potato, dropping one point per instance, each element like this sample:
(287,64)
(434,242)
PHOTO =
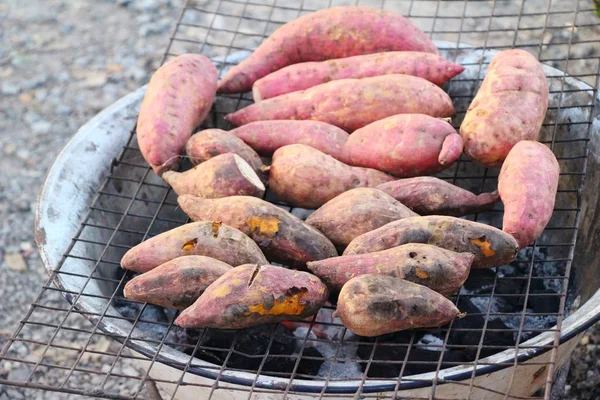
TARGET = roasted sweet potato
(404,145)
(304,177)
(527,183)
(267,136)
(427,195)
(491,246)
(373,305)
(178,98)
(355,212)
(221,176)
(251,295)
(177,283)
(211,239)
(515,86)
(302,76)
(441,270)
(352,103)
(284,238)
(331,33)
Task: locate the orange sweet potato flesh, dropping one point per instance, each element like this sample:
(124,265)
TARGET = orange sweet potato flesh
(178,98)
(177,283)
(302,76)
(355,212)
(251,295)
(373,305)
(352,103)
(491,246)
(427,195)
(331,33)
(441,270)
(224,175)
(211,239)
(515,86)
(405,145)
(305,177)
(285,238)
(527,183)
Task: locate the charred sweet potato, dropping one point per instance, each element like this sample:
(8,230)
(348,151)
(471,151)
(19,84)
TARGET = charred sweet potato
(251,295)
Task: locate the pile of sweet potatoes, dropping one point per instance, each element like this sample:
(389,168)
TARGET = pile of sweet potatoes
(350,119)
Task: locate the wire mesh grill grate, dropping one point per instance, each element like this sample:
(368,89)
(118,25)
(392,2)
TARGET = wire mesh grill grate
(505,306)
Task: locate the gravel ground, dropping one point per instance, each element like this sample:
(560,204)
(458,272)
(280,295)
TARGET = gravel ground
(62,61)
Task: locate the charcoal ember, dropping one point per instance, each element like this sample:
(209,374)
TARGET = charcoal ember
(548,303)
(480,281)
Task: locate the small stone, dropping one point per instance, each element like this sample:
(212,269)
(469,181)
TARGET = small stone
(6,72)
(25,246)
(26,98)
(9,89)
(9,149)
(64,109)
(41,94)
(35,82)
(41,127)
(114,68)
(95,79)
(15,261)
(584,340)
(147,5)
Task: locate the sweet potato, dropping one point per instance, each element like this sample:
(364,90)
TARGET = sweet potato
(491,246)
(284,237)
(224,175)
(251,295)
(427,195)
(177,283)
(352,103)
(178,98)
(302,76)
(441,270)
(304,177)
(509,107)
(404,145)
(267,136)
(211,239)
(331,33)
(373,305)
(355,212)
(527,183)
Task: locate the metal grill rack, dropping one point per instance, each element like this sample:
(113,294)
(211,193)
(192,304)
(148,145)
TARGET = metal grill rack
(131,204)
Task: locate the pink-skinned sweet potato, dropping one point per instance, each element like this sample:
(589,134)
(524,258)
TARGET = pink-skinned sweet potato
(491,246)
(251,295)
(331,33)
(177,283)
(373,305)
(285,238)
(267,136)
(179,97)
(509,107)
(304,177)
(355,212)
(441,270)
(210,239)
(405,145)
(527,183)
(352,103)
(221,176)
(427,195)
(302,76)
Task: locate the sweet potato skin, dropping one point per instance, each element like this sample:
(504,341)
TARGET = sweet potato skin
(177,283)
(211,239)
(515,85)
(441,270)
(352,103)
(221,176)
(331,33)
(491,246)
(282,236)
(404,145)
(355,212)
(251,295)
(527,183)
(373,305)
(304,177)
(179,97)
(427,195)
(302,76)
(267,136)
